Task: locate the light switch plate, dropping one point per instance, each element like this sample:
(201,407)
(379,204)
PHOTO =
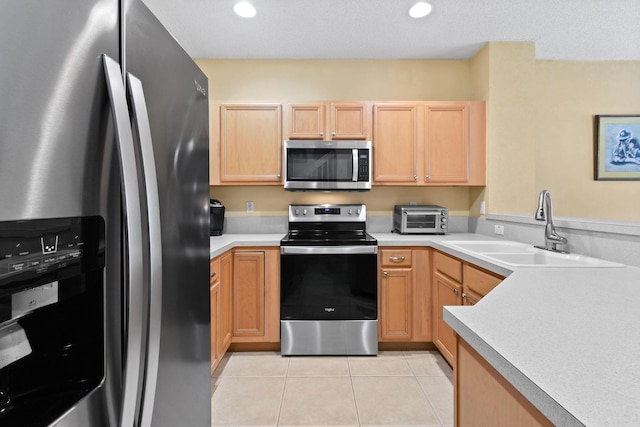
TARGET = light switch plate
(249,207)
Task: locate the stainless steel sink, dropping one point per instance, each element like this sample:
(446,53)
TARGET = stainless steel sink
(518,254)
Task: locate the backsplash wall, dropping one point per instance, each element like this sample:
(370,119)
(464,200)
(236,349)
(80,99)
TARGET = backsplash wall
(274,201)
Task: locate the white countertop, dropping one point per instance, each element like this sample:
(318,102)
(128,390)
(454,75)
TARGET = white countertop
(566,338)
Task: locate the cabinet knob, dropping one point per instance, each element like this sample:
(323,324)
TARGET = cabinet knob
(464,295)
(212,275)
(333,134)
(278,176)
(415,177)
(385,274)
(396,258)
(455,291)
(428,177)
(321,133)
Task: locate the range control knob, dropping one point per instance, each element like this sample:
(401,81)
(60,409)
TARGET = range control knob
(358,211)
(350,211)
(443,213)
(443,219)
(443,226)
(297,211)
(304,211)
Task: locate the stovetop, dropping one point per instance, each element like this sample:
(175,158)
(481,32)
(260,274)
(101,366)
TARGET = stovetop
(327,225)
(328,238)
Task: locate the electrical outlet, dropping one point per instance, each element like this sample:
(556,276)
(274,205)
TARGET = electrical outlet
(249,207)
(499,230)
(483,208)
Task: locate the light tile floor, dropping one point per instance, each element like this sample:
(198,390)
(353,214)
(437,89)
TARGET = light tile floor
(396,388)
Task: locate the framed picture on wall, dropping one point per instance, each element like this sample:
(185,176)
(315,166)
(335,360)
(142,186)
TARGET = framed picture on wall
(617,148)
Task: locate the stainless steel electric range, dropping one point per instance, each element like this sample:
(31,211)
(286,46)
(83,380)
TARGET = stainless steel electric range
(328,282)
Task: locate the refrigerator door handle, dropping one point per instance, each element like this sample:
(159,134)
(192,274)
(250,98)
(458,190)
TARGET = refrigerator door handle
(134,243)
(141,121)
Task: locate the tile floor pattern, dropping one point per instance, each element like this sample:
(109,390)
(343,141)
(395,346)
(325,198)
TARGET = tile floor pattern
(396,388)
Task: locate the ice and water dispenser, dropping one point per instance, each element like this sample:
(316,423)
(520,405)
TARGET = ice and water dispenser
(51,316)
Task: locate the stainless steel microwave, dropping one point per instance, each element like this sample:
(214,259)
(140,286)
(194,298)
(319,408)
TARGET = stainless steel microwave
(426,219)
(327,165)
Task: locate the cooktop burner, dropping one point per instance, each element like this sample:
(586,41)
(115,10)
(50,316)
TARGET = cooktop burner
(327,225)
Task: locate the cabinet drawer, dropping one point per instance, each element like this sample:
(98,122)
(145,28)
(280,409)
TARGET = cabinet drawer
(395,257)
(479,281)
(214,270)
(448,266)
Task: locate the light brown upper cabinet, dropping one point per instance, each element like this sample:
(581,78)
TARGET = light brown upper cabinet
(395,143)
(329,120)
(429,143)
(248,149)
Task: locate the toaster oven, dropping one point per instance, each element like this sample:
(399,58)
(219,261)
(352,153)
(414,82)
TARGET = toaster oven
(425,219)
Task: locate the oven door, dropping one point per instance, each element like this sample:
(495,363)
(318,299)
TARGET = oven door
(328,283)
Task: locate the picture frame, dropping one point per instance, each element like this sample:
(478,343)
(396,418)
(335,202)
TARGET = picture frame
(617,147)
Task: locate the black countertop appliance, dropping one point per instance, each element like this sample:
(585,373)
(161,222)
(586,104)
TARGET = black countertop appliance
(216,217)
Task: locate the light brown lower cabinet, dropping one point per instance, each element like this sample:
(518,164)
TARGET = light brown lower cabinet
(214,297)
(456,282)
(405,308)
(256,295)
(483,397)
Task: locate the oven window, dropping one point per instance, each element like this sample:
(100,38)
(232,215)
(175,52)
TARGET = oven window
(328,287)
(319,164)
(421,221)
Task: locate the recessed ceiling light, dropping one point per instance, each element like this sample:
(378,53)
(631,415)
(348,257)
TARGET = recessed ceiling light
(420,10)
(245,9)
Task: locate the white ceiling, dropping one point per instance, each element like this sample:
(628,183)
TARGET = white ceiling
(382,29)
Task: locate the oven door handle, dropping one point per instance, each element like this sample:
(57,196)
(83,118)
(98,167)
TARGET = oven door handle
(327,250)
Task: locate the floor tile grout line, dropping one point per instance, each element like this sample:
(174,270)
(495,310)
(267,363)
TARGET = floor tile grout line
(353,390)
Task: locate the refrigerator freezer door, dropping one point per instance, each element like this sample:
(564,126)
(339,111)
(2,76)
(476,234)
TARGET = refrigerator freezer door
(56,144)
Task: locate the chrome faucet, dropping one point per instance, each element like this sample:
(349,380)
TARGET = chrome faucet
(545,212)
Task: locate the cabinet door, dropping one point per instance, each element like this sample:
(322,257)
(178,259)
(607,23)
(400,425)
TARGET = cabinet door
(248,294)
(395,143)
(214,294)
(306,121)
(477,281)
(395,304)
(250,143)
(483,397)
(446,143)
(225,315)
(446,292)
(349,121)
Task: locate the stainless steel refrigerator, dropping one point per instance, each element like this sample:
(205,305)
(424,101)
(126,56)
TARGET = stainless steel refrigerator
(104,194)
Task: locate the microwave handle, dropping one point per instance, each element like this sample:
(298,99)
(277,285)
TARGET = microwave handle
(354,178)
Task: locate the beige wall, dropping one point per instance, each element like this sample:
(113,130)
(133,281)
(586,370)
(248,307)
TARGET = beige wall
(539,125)
(569,95)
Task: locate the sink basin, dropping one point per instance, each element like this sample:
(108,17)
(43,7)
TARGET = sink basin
(518,254)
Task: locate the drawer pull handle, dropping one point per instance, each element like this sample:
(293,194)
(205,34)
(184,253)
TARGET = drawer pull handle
(396,258)
(213,273)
